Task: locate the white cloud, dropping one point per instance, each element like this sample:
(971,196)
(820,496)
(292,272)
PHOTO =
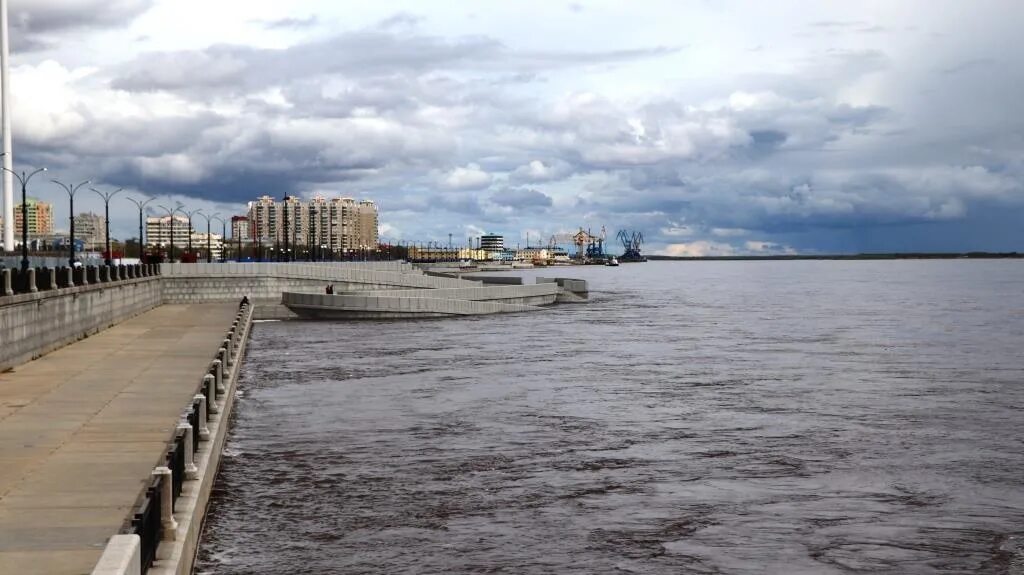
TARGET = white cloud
(470,177)
(697,249)
(538,171)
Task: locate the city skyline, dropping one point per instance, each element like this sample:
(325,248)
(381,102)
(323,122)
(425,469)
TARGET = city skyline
(714,128)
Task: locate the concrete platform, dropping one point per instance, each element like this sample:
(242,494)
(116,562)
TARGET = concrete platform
(81,429)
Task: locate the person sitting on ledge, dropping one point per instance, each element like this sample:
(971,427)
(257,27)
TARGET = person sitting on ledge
(330,289)
(245,302)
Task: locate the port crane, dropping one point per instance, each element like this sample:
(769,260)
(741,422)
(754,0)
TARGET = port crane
(632,241)
(588,244)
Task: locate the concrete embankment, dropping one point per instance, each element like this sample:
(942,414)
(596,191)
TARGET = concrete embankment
(48,316)
(82,430)
(440,302)
(112,435)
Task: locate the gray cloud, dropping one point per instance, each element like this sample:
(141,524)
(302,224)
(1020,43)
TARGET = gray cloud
(358,54)
(844,148)
(521,198)
(40,16)
(290,23)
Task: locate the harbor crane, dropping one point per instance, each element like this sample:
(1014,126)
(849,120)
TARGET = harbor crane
(588,244)
(632,241)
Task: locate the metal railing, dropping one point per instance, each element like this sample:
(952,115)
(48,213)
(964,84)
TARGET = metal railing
(147,522)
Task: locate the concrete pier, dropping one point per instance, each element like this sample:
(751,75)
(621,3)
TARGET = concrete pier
(82,428)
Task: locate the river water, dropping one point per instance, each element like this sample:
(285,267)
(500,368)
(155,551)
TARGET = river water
(693,417)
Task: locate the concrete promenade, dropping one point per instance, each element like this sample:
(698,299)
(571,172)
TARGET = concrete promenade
(81,429)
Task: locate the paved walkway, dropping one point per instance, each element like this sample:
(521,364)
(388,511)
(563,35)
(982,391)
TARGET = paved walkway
(82,428)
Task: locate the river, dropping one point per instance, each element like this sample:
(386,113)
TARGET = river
(693,417)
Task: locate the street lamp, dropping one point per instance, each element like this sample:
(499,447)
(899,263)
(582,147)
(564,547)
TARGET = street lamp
(71,195)
(24,213)
(140,205)
(284,208)
(224,237)
(311,256)
(209,249)
(106,215)
(189,214)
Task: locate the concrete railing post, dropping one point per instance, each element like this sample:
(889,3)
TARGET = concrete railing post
(167,503)
(229,359)
(210,387)
(191,471)
(69,276)
(31,280)
(218,374)
(5,279)
(204,430)
(51,275)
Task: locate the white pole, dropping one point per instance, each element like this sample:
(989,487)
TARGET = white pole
(8,177)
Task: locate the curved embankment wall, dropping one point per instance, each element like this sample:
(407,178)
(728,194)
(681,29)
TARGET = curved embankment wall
(263,283)
(33,324)
(352,306)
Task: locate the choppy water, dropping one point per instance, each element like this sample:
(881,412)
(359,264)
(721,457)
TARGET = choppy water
(714,417)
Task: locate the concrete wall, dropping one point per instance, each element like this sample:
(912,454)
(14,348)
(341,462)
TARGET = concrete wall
(321,306)
(33,324)
(265,282)
(539,294)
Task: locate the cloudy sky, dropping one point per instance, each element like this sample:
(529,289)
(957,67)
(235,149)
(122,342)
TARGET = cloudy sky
(712,126)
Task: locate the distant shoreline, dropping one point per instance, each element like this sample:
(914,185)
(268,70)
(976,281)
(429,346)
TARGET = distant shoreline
(880,256)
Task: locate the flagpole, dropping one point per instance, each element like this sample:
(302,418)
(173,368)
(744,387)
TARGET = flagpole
(8,157)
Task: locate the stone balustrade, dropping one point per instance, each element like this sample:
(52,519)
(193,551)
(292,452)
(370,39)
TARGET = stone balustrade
(13,281)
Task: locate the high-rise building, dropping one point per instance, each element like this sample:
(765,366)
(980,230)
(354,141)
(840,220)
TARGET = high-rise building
(240,228)
(200,242)
(335,225)
(158,231)
(40,217)
(92,230)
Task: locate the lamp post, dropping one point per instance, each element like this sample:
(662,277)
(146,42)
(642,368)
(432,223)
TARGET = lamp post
(188,214)
(224,238)
(284,209)
(24,214)
(312,232)
(71,189)
(209,249)
(140,204)
(106,216)
(170,215)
